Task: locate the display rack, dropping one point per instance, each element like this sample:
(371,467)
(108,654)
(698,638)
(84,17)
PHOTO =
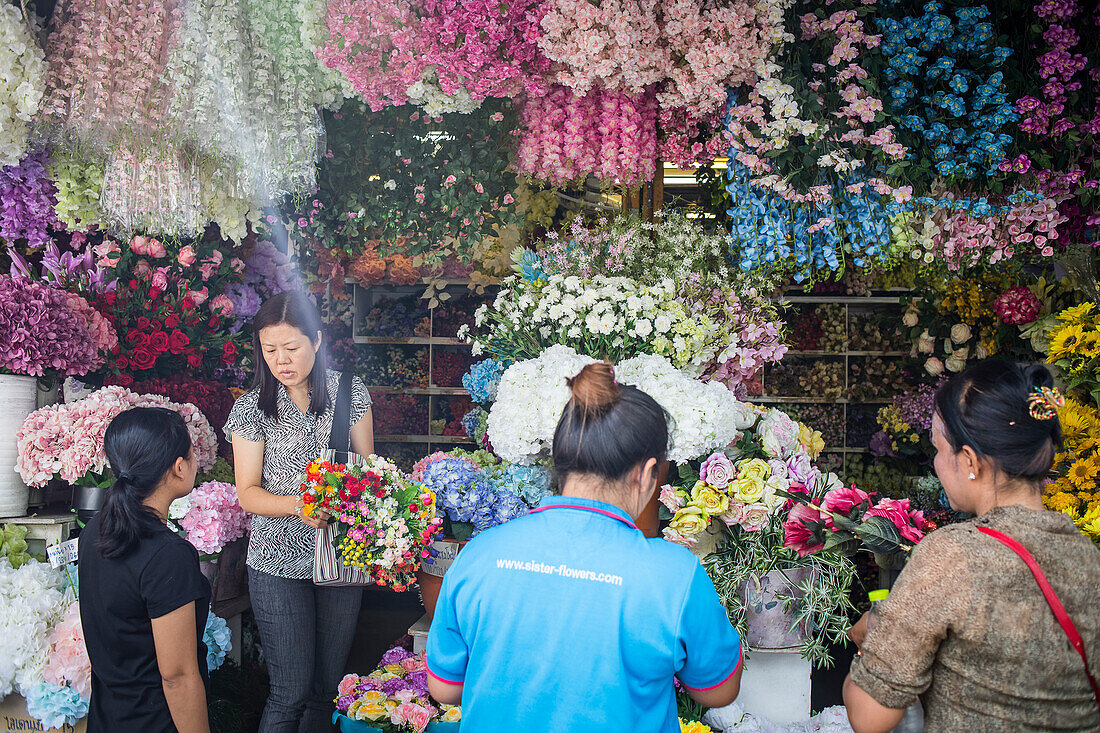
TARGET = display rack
(853,307)
(365,299)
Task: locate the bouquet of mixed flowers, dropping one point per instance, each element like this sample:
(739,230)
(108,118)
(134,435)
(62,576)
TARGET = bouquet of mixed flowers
(394,697)
(744,486)
(386,522)
(67,440)
(211,516)
(844,521)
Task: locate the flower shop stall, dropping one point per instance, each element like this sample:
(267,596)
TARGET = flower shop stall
(788,222)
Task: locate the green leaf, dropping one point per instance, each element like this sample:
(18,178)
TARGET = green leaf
(879,534)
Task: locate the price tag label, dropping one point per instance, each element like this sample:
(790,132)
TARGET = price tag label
(63,554)
(447,550)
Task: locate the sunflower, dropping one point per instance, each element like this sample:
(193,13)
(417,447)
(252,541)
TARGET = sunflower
(1065,341)
(1083,472)
(1060,502)
(1076,313)
(1090,343)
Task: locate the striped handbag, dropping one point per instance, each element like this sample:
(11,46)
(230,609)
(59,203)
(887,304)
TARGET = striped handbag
(328,567)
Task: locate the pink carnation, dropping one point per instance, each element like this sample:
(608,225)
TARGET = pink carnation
(215,518)
(1017,306)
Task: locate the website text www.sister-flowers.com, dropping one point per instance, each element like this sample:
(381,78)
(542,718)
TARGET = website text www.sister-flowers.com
(563,570)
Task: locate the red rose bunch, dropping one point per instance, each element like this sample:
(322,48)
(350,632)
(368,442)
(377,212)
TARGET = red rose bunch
(213,399)
(1017,306)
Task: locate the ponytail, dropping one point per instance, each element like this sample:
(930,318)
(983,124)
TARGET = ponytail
(142,445)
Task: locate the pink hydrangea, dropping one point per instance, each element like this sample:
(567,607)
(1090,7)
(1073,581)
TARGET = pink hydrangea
(68,661)
(215,517)
(41,331)
(103,333)
(67,440)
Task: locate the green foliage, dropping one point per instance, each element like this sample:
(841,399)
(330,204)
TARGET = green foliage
(13,544)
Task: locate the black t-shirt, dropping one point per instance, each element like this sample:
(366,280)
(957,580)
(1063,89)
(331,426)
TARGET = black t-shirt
(118,597)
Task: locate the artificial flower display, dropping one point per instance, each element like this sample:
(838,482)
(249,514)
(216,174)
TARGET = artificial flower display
(394,697)
(51,331)
(22,82)
(66,440)
(386,522)
(1077,469)
(211,516)
(28,195)
(1075,349)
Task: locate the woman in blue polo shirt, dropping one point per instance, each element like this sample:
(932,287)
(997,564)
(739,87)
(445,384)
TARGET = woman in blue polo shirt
(569,619)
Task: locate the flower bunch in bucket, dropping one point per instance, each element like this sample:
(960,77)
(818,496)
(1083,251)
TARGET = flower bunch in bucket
(385,521)
(394,697)
(845,520)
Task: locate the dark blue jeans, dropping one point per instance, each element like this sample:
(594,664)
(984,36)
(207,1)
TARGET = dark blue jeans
(306,632)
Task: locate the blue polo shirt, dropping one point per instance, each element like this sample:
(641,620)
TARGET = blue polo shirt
(569,619)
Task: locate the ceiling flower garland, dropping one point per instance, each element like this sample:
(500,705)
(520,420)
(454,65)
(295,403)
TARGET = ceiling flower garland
(27,197)
(22,80)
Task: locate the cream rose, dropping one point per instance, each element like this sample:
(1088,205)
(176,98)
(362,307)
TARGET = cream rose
(755,518)
(960,333)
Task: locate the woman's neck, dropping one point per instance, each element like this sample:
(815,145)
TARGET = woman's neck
(159,502)
(299,393)
(586,487)
(1022,496)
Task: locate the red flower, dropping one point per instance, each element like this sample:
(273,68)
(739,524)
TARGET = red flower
(158,341)
(125,380)
(177,341)
(154,292)
(194,360)
(143,323)
(188,303)
(802,531)
(229,352)
(171,321)
(898,512)
(122,362)
(142,358)
(134,337)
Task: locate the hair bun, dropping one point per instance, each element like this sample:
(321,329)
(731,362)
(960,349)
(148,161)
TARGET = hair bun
(1038,375)
(594,388)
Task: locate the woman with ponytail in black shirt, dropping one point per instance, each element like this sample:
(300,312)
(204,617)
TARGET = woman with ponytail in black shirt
(143,601)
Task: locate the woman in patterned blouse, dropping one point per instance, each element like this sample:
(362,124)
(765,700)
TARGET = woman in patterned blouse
(277,428)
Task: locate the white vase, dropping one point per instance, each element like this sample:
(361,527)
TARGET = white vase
(18,397)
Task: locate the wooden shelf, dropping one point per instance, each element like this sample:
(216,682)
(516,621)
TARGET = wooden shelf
(446,391)
(449,439)
(421,281)
(770,399)
(842,299)
(848,353)
(419,340)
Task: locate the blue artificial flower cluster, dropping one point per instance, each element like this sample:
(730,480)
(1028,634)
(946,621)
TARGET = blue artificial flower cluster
(530,483)
(465,493)
(958,105)
(529,265)
(483,379)
(768,229)
(218,641)
(55,705)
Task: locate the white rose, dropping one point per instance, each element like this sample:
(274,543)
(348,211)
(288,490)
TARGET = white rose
(960,333)
(925,343)
(909,319)
(934,367)
(953,364)
(980,352)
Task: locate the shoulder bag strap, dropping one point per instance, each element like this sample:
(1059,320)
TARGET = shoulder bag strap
(339,437)
(1052,599)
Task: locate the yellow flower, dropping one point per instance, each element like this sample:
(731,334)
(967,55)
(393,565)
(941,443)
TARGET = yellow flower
(1090,524)
(1083,473)
(1090,344)
(1059,502)
(451,714)
(754,467)
(709,499)
(748,488)
(1065,342)
(689,521)
(810,440)
(694,727)
(1076,313)
(371,712)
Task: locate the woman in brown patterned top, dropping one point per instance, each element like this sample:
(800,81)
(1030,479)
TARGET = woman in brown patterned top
(966,628)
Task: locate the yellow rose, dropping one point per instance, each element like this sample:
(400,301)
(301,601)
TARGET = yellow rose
(385,676)
(754,468)
(451,714)
(372,697)
(748,488)
(371,712)
(811,440)
(395,669)
(709,499)
(689,521)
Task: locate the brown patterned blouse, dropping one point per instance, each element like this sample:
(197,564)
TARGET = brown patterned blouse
(967,629)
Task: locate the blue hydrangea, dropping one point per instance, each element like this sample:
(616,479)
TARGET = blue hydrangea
(54,705)
(218,641)
(483,379)
(460,488)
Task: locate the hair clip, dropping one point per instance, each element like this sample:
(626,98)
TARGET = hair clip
(612,370)
(1043,403)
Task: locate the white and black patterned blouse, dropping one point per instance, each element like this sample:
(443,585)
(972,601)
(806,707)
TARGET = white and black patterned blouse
(283,546)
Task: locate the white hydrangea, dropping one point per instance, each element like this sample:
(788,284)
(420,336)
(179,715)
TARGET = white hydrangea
(22,83)
(704,416)
(32,601)
(429,96)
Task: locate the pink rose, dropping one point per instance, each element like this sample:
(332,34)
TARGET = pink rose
(898,512)
(155,249)
(215,258)
(670,499)
(802,530)
(755,518)
(140,245)
(411,664)
(187,256)
(717,471)
(221,305)
(734,514)
(843,500)
(237,264)
(107,253)
(142,268)
(675,537)
(198,297)
(400,714)
(418,718)
(208,269)
(348,684)
(159,279)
